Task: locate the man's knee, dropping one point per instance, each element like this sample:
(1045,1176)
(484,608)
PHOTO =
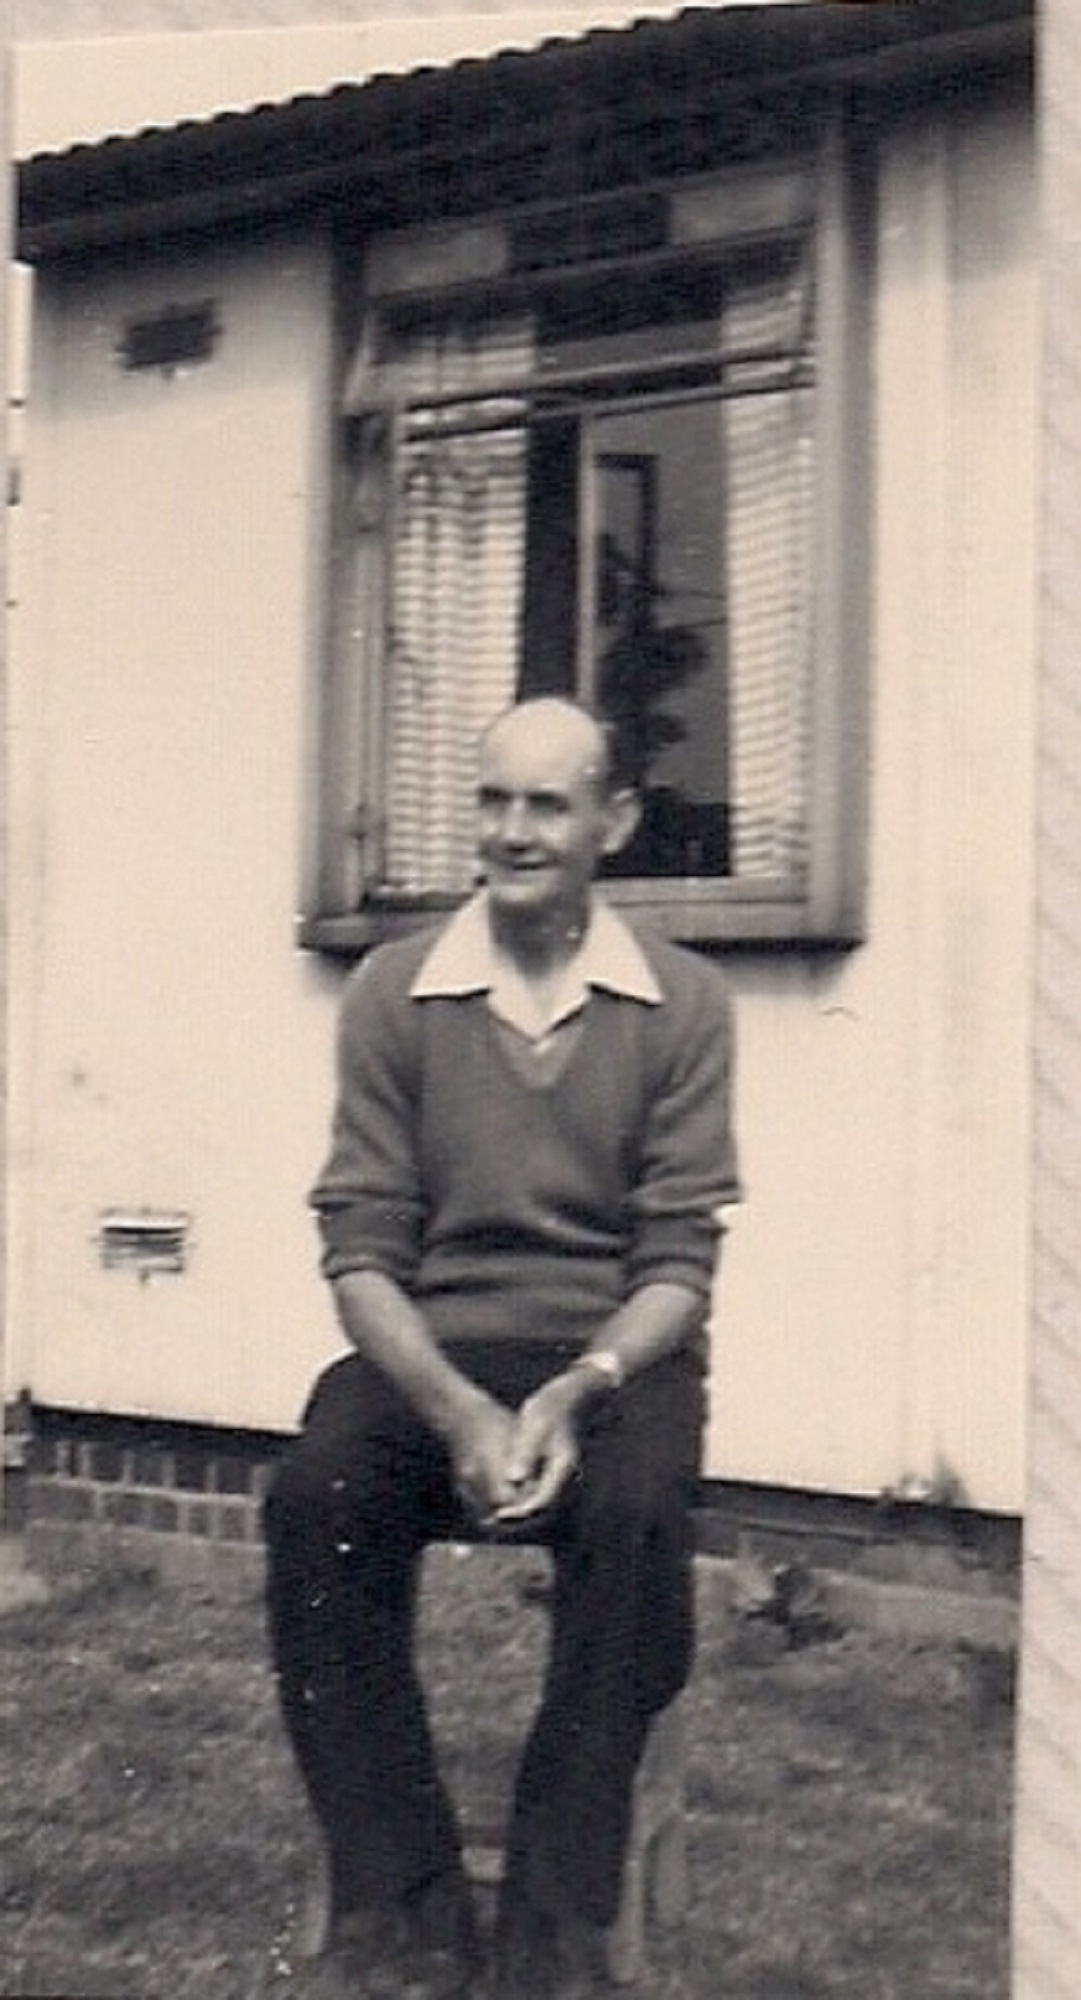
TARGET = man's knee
(653,1522)
(639,1469)
(336,1455)
(302,1484)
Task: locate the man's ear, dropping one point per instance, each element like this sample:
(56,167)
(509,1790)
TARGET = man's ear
(623,814)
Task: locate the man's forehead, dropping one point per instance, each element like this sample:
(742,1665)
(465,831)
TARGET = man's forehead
(543,744)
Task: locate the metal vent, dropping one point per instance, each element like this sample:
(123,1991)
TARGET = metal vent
(146,1241)
(174,338)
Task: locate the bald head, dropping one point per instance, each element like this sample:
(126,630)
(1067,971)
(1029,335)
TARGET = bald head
(559,733)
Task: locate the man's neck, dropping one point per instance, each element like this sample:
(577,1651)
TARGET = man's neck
(540,948)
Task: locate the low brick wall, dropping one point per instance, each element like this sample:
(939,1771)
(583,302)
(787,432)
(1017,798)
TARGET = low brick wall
(89,1492)
(187,1503)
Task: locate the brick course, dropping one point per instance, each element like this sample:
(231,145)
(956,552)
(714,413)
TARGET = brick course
(96,1490)
(187,1501)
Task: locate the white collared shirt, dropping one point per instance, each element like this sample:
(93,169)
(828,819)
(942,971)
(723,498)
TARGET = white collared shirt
(465,959)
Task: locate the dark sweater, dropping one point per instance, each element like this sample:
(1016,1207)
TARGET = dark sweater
(508,1207)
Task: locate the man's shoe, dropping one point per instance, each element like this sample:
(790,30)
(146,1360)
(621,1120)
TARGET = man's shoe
(443,1957)
(368,1942)
(547,1955)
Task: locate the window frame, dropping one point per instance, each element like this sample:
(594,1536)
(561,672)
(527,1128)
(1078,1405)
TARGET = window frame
(711,912)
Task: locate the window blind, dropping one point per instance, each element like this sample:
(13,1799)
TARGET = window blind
(456,564)
(768,455)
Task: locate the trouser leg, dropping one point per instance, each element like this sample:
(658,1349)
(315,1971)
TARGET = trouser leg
(621,1645)
(351,1506)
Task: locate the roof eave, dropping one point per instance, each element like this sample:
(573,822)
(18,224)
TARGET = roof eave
(65,208)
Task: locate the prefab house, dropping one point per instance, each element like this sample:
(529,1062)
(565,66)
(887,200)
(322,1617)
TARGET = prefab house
(690,367)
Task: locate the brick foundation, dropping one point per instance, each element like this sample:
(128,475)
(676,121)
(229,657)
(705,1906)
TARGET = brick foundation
(186,1502)
(88,1491)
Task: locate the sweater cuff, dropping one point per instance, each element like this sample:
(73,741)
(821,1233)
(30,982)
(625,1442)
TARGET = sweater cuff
(671,1252)
(371,1237)
(690,1276)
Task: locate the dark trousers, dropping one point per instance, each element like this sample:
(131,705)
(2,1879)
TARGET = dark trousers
(353,1502)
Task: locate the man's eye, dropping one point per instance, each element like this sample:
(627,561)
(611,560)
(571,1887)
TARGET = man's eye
(543,806)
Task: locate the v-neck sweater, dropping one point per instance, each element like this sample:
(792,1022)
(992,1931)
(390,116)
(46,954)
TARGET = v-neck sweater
(513,1203)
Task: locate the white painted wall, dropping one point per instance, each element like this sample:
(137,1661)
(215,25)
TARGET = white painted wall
(873,1311)
(174,1049)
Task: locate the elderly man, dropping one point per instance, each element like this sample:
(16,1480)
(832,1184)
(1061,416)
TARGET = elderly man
(519,1214)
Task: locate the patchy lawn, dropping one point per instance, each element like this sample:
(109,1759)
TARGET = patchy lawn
(849,1799)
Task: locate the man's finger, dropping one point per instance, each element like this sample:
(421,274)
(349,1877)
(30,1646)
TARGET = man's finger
(540,1493)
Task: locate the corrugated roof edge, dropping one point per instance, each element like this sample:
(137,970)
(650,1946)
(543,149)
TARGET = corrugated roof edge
(243,165)
(304,100)
(935,17)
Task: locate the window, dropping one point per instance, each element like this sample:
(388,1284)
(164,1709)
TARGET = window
(606,452)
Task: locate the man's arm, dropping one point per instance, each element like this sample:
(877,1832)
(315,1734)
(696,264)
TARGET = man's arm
(370,1206)
(385,1326)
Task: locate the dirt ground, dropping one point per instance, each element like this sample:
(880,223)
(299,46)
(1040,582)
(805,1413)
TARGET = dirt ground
(849,1797)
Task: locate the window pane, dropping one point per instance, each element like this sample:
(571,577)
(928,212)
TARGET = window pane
(693,311)
(703,602)
(550,613)
(702,629)
(660,626)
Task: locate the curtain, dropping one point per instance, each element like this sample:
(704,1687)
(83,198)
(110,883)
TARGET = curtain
(769,470)
(457,550)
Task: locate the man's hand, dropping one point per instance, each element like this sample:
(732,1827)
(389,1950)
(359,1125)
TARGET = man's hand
(385,1326)
(480,1443)
(543,1453)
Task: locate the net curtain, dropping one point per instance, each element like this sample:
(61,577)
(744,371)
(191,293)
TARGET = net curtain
(457,557)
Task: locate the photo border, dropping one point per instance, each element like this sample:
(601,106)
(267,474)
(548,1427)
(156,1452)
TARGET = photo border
(1046,1908)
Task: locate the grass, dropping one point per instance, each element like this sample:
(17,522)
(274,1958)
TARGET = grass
(849,1800)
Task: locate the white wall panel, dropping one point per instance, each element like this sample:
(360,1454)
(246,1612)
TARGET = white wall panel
(181,1044)
(873,1301)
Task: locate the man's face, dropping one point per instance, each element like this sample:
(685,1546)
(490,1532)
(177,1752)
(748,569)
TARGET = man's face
(545,817)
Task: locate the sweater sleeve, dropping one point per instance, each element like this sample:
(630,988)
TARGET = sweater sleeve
(687,1166)
(367,1196)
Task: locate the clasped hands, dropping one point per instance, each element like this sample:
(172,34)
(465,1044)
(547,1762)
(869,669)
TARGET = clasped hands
(511,1465)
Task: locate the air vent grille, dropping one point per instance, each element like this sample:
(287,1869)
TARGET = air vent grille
(146,1241)
(176,337)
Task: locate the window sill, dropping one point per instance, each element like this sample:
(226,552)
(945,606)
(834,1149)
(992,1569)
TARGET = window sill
(691,913)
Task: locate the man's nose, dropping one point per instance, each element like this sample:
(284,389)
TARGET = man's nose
(516,823)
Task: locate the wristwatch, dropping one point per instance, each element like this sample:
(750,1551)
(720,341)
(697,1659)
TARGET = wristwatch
(605,1364)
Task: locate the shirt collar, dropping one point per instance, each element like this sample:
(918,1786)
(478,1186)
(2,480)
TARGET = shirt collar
(462,960)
